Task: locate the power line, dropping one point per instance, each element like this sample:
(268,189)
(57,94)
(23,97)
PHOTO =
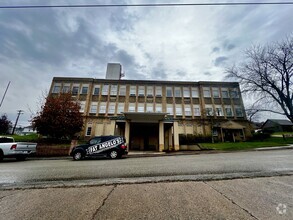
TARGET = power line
(144,5)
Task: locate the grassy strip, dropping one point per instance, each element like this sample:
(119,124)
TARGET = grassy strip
(270,142)
(25,138)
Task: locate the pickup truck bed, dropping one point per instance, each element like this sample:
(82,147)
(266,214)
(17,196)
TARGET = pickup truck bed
(18,150)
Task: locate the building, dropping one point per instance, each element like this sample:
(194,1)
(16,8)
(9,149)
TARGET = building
(153,114)
(277,125)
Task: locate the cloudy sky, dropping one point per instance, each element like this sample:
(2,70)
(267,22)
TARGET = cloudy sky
(193,43)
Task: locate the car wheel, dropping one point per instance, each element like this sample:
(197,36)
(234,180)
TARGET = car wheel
(77,155)
(20,158)
(114,154)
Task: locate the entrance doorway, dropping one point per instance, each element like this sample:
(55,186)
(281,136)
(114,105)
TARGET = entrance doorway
(144,136)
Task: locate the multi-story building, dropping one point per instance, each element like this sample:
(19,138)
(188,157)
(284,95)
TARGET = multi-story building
(152,114)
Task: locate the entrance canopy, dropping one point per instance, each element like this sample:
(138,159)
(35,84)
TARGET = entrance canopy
(229,125)
(146,117)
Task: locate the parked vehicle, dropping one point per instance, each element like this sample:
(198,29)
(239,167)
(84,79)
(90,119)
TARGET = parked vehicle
(110,146)
(19,150)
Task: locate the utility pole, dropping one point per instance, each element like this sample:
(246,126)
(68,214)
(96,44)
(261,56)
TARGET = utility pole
(18,114)
(4,94)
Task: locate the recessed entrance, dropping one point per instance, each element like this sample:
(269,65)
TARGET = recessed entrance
(144,136)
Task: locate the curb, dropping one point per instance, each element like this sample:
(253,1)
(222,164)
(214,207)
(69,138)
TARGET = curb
(178,153)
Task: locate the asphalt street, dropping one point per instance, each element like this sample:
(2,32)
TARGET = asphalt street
(146,169)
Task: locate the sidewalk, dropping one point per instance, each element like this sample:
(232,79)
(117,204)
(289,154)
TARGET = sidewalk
(258,198)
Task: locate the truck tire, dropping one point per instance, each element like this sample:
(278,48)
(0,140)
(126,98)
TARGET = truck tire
(77,155)
(20,158)
(1,155)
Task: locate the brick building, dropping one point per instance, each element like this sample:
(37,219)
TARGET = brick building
(152,114)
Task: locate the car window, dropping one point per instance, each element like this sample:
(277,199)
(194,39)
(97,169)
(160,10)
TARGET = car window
(95,141)
(6,140)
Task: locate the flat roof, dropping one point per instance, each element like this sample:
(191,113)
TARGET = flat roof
(127,81)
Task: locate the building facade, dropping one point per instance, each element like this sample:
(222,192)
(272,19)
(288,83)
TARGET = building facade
(152,115)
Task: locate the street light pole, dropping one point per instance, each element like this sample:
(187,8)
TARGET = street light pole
(18,114)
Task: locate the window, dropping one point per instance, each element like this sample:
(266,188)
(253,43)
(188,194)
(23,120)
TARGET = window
(238,111)
(114,89)
(66,88)
(228,111)
(150,91)
(158,91)
(178,109)
(141,91)
(140,107)
(186,92)
(177,92)
(88,131)
(149,107)
(75,90)
(234,93)
(219,111)
(96,140)
(96,90)
(187,110)
(122,90)
(103,107)
(209,110)
(105,89)
(169,92)
(206,92)
(111,109)
(132,90)
(170,109)
(158,107)
(131,107)
(56,89)
(196,110)
(194,92)
(225,93)
(82,107)
(120,107)
(216,93)
(93,108)
(84,89)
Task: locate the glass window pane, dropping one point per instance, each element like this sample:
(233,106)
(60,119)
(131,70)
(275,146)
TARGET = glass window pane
(96,90)
(206,92)
(177,92)
(150,91)
(194,92)
(132,91)
(186,92)
(216,93)
(158,91)
(169,92)
(114,89)
(103,106)
(105,89)
(122,90)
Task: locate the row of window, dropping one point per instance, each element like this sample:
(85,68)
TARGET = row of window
(107,89)
(149,107)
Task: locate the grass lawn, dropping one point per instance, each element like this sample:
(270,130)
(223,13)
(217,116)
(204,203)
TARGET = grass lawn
(270,142)
(24,138)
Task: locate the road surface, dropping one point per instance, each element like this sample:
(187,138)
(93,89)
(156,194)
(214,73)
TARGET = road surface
(147,169)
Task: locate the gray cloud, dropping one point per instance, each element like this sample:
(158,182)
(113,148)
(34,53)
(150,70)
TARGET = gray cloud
(220,60)
(215,49)
(207,73)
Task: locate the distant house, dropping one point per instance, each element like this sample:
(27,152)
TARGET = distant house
(277,125)
(28,130)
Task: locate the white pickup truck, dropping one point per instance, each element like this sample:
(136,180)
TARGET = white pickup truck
(18,150)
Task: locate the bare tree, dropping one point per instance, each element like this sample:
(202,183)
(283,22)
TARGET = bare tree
(267,76)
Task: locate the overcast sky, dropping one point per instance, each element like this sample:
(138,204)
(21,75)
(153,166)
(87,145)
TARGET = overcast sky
(193,43)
